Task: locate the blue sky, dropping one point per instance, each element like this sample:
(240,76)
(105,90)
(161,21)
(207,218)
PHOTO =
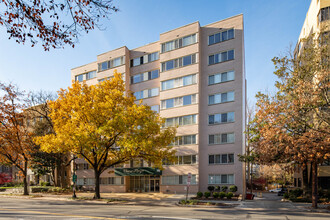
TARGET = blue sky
(270,27)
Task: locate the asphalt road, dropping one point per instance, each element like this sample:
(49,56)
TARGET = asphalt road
(268,208)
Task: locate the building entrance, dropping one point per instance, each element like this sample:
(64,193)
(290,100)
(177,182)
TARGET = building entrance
(143,183)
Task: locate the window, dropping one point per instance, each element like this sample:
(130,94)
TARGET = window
(112,180)
(221,98)
(221,57)
(221,118)
(79,78)
(85,181)
(110,77)
(179,62)
(180,121)
(178,180)
(148,93)
(184,140)
(222,36)
(221,159)
(136,61)
(178,43)
(104,66)
(116,62)
(145,76)
(179,101)
(324,14)
(111,63)
(221,77)
(152,57)
(85,76)
(90,75)
(155,108)
(179,160)
(226,138)
(145,59)
(221,179)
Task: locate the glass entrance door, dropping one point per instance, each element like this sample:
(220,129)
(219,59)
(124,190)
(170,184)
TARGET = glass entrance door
(157,185)
(143,184)
(154,185)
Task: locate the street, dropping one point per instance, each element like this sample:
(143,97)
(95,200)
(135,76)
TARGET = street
(269,207)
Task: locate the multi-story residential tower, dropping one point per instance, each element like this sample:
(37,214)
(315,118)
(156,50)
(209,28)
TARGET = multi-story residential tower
(194,77)
(317,23)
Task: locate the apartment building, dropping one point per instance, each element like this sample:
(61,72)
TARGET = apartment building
(317,22)
(194,78)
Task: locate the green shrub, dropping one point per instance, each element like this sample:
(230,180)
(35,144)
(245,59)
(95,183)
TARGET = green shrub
(286,195)
(233,188)
(292,197)
(192,202)
(224,188)
(44,183)
(10,184)
(217,188)
(199,194)
(229,195)
(215,195)
(207,194)
(296,193)
(210,188)
(222,195)
(188,202)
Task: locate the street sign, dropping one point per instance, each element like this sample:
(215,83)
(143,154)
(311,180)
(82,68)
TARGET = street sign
(74,178)
(189,179)
(188,184)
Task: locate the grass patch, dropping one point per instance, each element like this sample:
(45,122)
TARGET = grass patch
(82,198)
(197,202)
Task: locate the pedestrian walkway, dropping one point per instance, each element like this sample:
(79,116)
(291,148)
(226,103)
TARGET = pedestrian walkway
(150,199)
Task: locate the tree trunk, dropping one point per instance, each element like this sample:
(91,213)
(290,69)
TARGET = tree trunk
(251,184)
(248,173)
(26,192)
(314,186)
(97,184)
(62,176)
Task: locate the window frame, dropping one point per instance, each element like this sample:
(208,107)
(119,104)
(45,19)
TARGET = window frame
(221,118)
(219,136)
(176,43)
(178,99)
(220,161)
(220,54)
(220,74)
(221,102)
(221,40)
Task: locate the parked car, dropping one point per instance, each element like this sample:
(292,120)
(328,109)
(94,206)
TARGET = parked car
(283,190)
(275,190)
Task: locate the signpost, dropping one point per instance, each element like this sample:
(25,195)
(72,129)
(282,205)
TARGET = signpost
(188,184)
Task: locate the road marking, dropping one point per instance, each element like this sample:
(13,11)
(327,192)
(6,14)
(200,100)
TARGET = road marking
(165,217)
(60,214)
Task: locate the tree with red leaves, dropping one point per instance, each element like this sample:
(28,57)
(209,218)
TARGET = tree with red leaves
(54,23)
(16,146)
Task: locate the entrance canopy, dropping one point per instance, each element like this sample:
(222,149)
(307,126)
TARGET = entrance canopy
(140,171)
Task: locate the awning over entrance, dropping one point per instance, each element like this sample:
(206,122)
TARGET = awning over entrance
(140,171)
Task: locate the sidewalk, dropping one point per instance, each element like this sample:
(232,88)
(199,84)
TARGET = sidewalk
(150,199)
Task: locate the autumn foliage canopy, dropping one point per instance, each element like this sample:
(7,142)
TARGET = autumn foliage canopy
(54,23)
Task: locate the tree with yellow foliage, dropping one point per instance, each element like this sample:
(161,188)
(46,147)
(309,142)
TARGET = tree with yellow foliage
(104,126)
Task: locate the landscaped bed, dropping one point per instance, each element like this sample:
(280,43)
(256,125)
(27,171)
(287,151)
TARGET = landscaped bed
(198,202)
